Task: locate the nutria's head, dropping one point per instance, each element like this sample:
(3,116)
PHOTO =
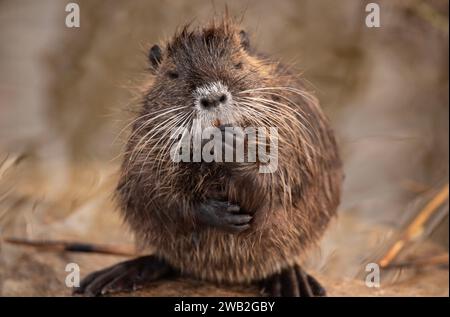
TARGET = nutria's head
(205,71)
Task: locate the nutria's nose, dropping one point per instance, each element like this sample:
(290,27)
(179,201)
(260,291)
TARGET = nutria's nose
(210,96)
(213,101)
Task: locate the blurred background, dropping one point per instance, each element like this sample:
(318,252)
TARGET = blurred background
(66,95)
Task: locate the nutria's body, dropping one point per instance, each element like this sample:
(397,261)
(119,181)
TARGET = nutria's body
(289,209)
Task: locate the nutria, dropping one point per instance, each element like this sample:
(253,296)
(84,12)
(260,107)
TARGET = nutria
(220,222)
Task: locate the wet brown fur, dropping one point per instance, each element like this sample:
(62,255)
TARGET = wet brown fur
(291,207)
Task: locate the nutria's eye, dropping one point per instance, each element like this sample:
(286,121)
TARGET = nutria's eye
(238,65)
(172,75)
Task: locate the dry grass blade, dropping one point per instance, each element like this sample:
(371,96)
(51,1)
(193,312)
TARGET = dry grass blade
(415,228)
(125,250)
(10,161)
(441,259)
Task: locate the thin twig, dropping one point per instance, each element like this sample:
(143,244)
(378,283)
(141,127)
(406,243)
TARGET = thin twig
(441,259)
(124,250)
(415,228)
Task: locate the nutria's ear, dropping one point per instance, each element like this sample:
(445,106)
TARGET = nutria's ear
(245,40)
(155,56)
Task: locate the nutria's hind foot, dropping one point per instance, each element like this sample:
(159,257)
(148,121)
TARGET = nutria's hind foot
(292,282)
(124,277)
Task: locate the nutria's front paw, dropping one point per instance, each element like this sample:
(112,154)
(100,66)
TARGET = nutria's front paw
(223,215)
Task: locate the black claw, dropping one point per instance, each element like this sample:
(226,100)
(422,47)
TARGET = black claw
(237,228)
(290,284)
(124,276)
(293,282)
(122,283)
(304,287)
(316,287)
(275,286)
(237,219)
(233,208)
